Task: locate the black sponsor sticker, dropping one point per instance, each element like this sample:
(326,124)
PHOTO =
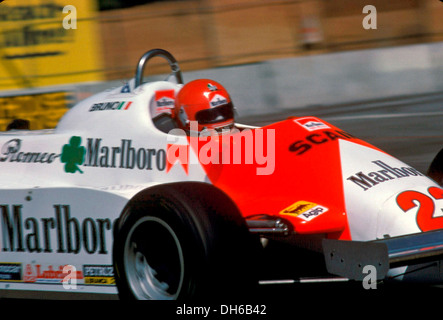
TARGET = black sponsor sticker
(10,271)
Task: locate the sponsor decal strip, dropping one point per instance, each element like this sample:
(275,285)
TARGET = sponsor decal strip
(304,210)
(311,123)
(301,146)
(10,271)
(59,233)
(368,180)
(36,273)
(113,105)
(11,152)
(99,274)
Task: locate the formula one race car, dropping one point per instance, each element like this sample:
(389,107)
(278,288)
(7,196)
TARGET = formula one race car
(117,200)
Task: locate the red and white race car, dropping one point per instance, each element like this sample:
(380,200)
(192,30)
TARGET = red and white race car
(117,200)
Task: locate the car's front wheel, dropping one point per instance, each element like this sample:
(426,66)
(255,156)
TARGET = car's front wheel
(182,241)
(153,260)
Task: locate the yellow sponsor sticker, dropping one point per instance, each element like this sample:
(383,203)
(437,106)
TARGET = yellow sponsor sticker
(100,280)
(298,208)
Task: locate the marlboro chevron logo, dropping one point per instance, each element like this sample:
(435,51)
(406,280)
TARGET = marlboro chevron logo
(384,173)
(164,101)
(218,100)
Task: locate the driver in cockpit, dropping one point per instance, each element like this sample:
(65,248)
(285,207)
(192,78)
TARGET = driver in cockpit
(204,104)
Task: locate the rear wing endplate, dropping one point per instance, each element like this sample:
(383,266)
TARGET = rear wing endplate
(349,258)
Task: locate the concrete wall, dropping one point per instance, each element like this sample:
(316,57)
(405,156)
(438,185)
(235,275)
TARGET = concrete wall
(215,33)
(282,84)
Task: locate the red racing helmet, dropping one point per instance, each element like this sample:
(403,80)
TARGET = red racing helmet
(207,103)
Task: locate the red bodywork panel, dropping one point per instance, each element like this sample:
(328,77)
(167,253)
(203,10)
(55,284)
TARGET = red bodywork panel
(306,184)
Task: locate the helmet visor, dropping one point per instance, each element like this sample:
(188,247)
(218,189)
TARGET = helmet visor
(214,115)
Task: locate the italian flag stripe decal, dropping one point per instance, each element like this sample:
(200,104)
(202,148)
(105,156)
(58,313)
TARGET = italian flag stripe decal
(128,104)
(125,105)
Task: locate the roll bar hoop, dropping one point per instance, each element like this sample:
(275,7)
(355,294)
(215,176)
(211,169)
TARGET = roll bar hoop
(175,69)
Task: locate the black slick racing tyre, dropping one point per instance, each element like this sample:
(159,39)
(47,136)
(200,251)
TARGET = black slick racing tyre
(183,241)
